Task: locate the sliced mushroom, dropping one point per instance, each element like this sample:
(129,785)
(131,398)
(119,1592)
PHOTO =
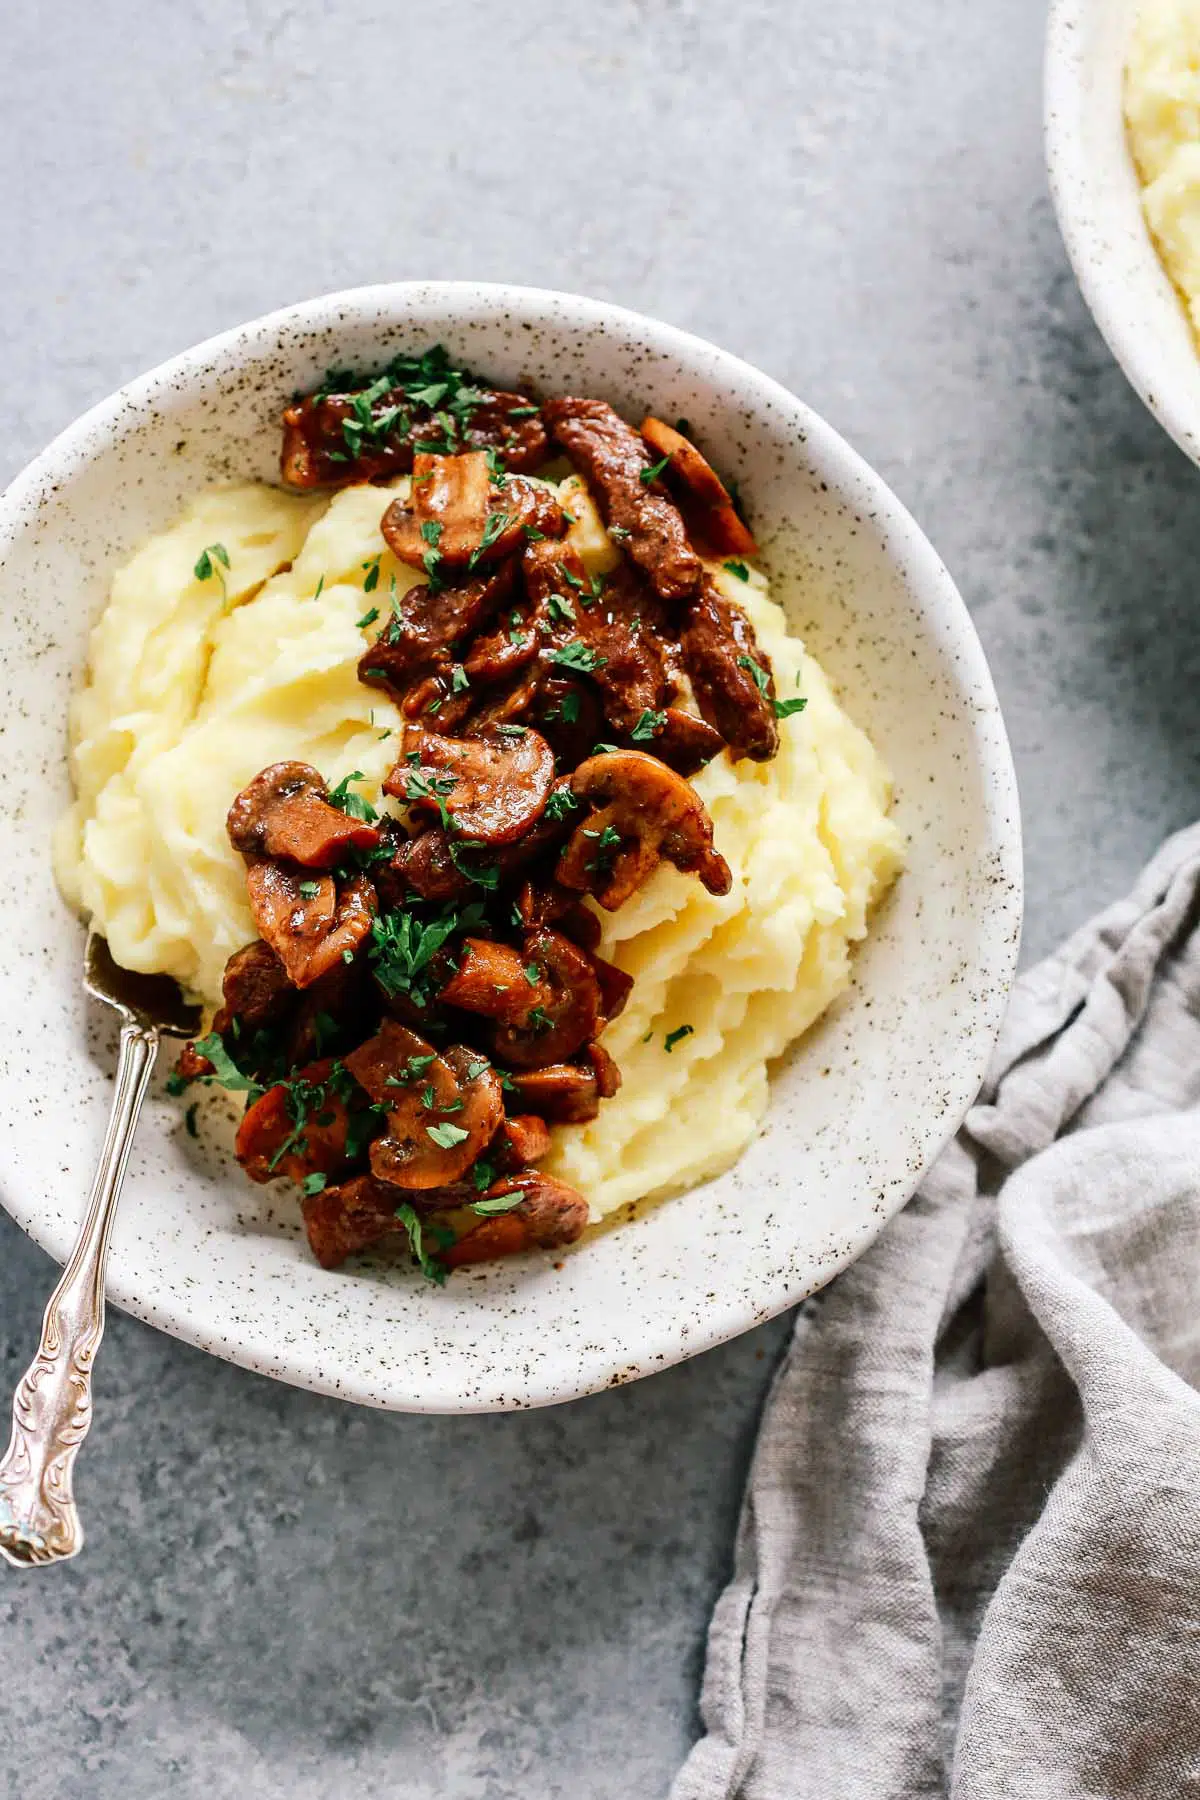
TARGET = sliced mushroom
(520,1142)
(455,519)
(708,503)
(494,789)
(550,904)
(644,811)
(285,812)
(296,1128)
(548,1215)
(491,979)
(306,921)
(441,1112)
(568,1093)
(731,676)
(567,1013)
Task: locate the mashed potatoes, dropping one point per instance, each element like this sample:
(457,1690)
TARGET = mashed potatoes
(1162,114)
(198,683)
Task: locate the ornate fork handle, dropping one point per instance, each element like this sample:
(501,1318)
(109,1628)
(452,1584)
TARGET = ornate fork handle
(52,1408)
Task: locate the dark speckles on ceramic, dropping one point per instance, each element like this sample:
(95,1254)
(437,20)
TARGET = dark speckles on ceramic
(1097,199)
(857,1111)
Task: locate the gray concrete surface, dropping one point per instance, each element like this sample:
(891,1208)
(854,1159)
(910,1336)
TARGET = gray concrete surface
(283,1598)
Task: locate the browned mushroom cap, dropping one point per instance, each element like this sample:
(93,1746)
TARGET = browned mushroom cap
(547,1215)
(568,1093)
(549,904)
(710,504)
(651,812)
(730,675)
(455,519)
(442,1109)
(520,1141)
(567,1013)
(305,920)
(284,812)
(494,789)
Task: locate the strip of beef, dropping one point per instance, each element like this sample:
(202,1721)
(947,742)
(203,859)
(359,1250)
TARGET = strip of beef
(333,439)
(255,990)
(285,812)
(625,631)
(567,1012)
(426,624)
(613,459)
(731,677)
(684,742)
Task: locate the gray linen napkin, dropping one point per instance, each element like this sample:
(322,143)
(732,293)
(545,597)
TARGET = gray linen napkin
(969,1554)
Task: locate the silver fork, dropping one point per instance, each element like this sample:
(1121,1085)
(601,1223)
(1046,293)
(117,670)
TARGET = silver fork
(52,1407)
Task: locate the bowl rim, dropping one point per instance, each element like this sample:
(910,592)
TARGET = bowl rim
(925,575)
(1082,204)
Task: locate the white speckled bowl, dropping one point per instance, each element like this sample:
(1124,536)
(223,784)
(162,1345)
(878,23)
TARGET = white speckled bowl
(1096,196)
(857,1111)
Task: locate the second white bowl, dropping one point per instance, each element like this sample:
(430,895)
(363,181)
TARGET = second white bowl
(1097,199)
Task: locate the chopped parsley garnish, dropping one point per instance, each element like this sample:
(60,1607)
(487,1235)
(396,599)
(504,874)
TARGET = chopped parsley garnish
(620,534)
(737,568)
(513,730)
(533,535)
(559,607)
(498,1203)
(205,565)
(482,1174)
(648,726)
(785,708)
(371,578)
(578,656)
(561,804)
(402,946)
(211,561)
(475,1070)
(755,669)
(310,889)
(571,579)
(493,526)
(532,974)
(467,860)
(420,784)
(314,1183)
(523,412)
(353,805)
(538,1019)
(447,1135)
(225,1073)
(460,681)
(654,471)
(431,1268)
(368,618)
(603,749)
(431,531)
(608,842)
(567,710)
(673,1037)
(319,589)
